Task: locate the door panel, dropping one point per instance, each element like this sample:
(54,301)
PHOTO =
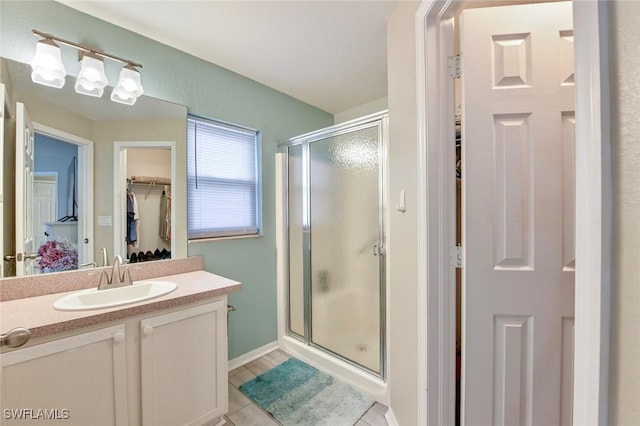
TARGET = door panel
(2,141)
(78,380)
(183,366)
(44,208)
(568,189)
(25,244)
(344,215)
(517,192)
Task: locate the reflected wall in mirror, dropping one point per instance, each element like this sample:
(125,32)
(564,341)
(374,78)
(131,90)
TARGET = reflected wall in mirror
(74,199)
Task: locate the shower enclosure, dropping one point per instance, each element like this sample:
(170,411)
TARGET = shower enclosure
(335,241)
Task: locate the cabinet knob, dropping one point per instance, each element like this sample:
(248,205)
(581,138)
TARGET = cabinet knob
(118,337)
(15,338)
(147,330)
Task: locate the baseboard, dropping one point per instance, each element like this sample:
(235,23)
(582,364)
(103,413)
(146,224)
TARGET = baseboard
(252,355)
(221,421)
(391,418)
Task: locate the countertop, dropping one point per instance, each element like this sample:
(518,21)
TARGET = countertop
(38,315)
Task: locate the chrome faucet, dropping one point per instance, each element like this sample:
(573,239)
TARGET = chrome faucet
(117,279)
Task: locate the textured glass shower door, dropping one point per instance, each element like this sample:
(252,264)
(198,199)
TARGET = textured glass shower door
(344,194)
(336,262)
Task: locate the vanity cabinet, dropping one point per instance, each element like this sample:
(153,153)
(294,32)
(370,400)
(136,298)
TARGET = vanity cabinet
(78,380)
(167,368)
(183,366)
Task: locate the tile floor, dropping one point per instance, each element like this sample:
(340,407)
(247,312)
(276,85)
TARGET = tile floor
(243,412)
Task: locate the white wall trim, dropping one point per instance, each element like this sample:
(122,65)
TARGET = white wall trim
(593,214)
(391,418)
(436,208)
(85,187)
(594,229)
(252,355)
(421,64)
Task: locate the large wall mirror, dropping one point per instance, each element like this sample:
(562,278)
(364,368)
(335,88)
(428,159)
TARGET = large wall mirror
(90,157)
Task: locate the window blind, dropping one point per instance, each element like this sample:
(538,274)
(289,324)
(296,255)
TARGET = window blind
(222,180)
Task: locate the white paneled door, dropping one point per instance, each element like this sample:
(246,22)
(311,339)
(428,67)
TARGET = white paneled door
(2,195)
(25,243)
(518,214)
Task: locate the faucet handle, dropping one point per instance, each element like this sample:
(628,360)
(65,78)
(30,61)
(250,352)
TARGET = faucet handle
(104,279)
(126,277)
(105,256)
(116,277)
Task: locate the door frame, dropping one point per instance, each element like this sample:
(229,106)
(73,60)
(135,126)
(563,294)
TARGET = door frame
(120,190)
(84,185)
(6,112)
(436,212)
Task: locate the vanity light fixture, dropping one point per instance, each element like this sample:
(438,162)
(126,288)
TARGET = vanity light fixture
(128,88)
(47,65)
(91,78)
(48,69)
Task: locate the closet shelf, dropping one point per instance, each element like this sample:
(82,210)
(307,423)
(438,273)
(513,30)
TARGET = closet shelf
(150,182)
(159,185)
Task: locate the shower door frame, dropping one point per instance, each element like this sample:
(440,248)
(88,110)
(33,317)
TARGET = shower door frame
(381,121)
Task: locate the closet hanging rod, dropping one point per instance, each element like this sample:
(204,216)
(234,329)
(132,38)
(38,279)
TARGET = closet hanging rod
(150,184)
(147,183)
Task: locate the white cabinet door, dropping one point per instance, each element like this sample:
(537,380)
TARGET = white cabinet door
(518,118)
(184,366)
(79,380)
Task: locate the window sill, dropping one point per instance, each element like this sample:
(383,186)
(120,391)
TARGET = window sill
(234,237)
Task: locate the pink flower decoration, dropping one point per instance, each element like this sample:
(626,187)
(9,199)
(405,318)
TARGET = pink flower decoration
(57,256)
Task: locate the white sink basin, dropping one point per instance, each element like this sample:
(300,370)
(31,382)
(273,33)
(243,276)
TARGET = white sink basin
(98,299)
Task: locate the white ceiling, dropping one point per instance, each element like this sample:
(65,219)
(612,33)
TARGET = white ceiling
(331,54)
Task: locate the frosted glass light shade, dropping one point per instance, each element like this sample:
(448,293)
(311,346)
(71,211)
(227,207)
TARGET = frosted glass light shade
(129,87)
(91,78)
(47,65)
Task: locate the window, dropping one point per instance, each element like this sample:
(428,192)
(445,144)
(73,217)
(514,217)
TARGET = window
(223,183)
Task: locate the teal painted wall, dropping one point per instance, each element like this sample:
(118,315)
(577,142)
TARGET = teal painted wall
(206,90)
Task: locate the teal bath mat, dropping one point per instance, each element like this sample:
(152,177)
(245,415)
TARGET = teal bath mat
(297,394)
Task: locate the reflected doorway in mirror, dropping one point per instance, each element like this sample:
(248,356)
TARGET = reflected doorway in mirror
(144,216)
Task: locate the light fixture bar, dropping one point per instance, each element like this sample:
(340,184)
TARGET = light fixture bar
(86,48)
